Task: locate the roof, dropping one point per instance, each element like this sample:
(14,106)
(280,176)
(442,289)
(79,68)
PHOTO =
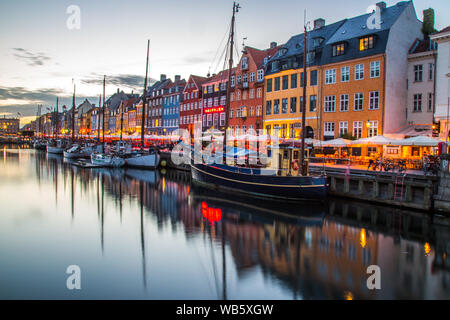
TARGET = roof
(199,81)
(420,46)
(220,77)
(258,55)
(445,30)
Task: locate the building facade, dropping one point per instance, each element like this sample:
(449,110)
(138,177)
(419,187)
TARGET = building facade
(442,100)
(247,95)
(214,101)
(9,125)
(191,105)
(171,105)
(155,99)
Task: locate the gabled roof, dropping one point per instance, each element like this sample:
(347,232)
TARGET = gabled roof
(445,30)
(199,81)
(420,46)
(220,77)
(258,55)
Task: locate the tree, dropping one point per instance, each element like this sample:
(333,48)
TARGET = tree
(428,22)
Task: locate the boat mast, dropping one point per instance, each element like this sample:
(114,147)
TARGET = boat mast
(57,119)
(144,98)
(98,118)
(121,121)
(103,115)
(302,153)
(236,8)
(73,114)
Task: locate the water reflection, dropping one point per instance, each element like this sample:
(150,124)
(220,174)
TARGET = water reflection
(160,237)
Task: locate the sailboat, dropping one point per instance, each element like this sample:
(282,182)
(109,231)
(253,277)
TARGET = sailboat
(285,177)
(56,146)
(103,159)
(141,159)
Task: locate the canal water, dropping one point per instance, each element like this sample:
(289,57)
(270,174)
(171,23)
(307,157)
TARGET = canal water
(153,235)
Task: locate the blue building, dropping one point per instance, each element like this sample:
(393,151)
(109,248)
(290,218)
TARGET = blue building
(171,105)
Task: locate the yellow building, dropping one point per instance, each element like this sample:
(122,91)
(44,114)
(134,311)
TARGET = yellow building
(283,102)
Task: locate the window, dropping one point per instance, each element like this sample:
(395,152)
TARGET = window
(330,103)
(338,49)
(343,128)
(245,78)
(373,128)
(344,102)
(313,78)
(366,43)
(260,75)
(222,119)
(231,114)
(277,84)
(293,104)
(252,111)
(204,120)
(302,80)
(232,96)
(276,106)
(244,63)
(357,129)
(345,74)
(374,99)
(244,95)
(301,105)
(252,93)
(312,103)
(238,95)
(223,100)
(268,127)
(232,81)
(284,105)
(329,129)
(430,71)
(268,107)
(359,101)
(259,111)
(285,82)
(375,69)
(293,81)
(417,102)
(238,79)
(418,72)
(359,72)
(269,85)
(430,102)
(259,92)
(330,76)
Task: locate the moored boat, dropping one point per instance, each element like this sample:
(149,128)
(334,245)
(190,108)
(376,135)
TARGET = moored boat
(148,160)
(78,152)
(107,160)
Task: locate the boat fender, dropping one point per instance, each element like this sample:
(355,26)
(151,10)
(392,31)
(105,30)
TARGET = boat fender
(295,165)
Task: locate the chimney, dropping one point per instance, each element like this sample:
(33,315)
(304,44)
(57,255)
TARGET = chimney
(381,5)
(117,90)
(273,45)
(163,77)
(177,78)
(319,23)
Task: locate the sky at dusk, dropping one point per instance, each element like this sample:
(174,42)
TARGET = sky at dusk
(40,55)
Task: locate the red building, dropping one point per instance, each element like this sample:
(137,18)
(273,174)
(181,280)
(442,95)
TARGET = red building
(247,83)
(191,105)
(214,101)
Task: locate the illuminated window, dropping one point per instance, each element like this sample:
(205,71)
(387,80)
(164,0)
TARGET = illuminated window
(338,49)
(366,43)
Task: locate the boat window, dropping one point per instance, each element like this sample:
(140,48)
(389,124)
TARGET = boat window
(285,154)
(296,154)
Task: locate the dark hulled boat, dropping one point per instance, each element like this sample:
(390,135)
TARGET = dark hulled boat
(259,182)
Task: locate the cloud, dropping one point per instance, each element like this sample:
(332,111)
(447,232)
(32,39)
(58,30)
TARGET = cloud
(32,59)
(132,81)
(21,93)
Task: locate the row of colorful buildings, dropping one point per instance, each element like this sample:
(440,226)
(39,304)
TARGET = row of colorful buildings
(361,80)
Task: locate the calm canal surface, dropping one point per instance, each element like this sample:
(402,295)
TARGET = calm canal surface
(153,235)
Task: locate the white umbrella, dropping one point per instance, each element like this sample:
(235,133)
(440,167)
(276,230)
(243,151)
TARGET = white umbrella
(336,143)
(376,140)
(423,141)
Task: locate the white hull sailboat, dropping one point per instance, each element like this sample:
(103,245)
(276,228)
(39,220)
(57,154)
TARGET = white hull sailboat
(143,160)
(78,152)
(54,150)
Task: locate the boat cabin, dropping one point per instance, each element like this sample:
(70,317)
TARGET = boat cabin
(286,159)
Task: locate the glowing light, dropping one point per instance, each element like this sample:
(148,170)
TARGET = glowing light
(363,237)
(348,295)
(211,214)
(213,109)
(164,184)
(427,248)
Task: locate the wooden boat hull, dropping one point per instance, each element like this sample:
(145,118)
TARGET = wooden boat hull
(146,161)
(250,181)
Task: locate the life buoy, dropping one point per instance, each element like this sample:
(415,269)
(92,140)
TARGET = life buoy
(295,165)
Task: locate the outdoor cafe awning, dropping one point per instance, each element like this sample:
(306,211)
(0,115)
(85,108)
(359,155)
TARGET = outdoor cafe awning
(423,141)
(335,143)
(376,141)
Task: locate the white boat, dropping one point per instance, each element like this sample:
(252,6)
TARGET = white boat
(148,160)
(107,160)
(77,152)
(55,147)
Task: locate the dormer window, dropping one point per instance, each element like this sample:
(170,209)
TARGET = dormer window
(366,43)
(244,63)
(282,52)
(338,49)
(317,41)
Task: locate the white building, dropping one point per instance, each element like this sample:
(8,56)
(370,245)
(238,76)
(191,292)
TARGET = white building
(442,38)
(421,75)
